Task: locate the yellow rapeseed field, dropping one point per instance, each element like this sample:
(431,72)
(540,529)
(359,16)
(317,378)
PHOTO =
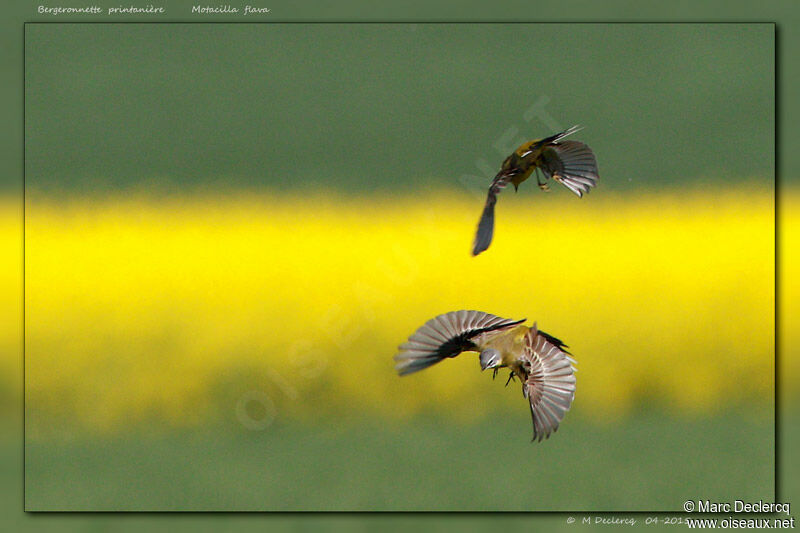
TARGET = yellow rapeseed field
(191,310)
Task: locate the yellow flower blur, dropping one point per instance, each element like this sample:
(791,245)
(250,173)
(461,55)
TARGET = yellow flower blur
(173,310)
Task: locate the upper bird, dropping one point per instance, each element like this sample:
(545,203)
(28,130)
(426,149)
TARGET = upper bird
(539,360)
(570,163)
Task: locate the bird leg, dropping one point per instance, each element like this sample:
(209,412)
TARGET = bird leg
(494,374)
(510,378)
(542,184)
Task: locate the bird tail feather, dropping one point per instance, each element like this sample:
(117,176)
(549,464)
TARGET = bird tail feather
(558,136)
(578,167)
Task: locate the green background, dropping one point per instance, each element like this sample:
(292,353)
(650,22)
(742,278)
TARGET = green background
(361,107)
(782,12)
(425,464)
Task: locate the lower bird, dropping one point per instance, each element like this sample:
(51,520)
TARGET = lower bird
(539,360)
(570,163)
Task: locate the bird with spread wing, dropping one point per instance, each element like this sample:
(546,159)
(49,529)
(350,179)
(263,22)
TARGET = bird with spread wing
(539,360)
(570,163)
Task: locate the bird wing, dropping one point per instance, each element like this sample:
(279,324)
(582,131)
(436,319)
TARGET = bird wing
(483,237)
(571,163)
(550,386)
(445,336)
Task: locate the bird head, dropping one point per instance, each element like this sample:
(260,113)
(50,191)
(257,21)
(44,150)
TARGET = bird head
(490,358)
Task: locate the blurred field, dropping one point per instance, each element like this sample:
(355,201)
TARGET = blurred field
(235,351)
(169,312)
(231,105)
(657,461)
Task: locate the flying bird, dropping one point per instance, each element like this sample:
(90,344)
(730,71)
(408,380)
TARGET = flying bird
(539,360)
(570,163)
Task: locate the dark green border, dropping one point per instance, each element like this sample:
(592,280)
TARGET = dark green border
(786,16)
